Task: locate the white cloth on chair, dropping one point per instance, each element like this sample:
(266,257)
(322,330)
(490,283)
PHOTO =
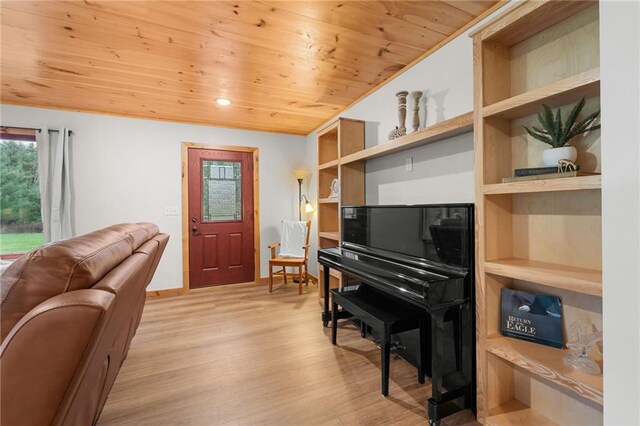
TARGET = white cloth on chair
(294,237)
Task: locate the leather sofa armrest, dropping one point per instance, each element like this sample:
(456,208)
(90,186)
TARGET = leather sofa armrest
(45,351)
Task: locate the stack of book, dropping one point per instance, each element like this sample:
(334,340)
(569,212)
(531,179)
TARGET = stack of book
(540,173)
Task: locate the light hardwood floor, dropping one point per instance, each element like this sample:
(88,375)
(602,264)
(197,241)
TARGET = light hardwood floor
(237,355)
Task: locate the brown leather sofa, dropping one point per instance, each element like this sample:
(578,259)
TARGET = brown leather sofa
(69,311)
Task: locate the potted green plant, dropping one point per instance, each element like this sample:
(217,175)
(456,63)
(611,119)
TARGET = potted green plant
(558,134)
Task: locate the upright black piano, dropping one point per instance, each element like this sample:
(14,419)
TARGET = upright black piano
(422,255)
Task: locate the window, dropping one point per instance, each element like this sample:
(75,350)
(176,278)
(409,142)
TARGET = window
(221,191)
(20,215)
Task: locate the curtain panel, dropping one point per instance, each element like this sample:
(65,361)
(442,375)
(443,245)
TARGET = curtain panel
(55,183)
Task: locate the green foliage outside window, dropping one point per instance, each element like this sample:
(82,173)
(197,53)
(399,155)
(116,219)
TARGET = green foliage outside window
(19,190)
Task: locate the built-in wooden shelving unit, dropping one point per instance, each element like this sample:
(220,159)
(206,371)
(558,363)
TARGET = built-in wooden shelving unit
(340,138)
(542,236)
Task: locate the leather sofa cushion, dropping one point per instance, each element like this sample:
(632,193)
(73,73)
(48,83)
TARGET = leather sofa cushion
(73,264)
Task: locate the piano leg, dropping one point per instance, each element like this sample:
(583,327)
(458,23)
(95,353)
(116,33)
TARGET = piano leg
(460,384)
(325,313)
(334,322)
(437,366)
(385,354)
(363,329)
(422,349)
(467,352)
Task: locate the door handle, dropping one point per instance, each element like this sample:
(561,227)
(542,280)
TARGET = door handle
(194,229)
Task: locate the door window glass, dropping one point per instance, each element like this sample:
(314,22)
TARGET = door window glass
(221,190)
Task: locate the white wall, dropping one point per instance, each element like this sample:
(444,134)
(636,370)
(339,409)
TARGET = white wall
(620,101)
(443,171)
(127,170)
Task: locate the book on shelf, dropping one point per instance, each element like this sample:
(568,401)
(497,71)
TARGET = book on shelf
(553,175)
(532,316)
(528,171)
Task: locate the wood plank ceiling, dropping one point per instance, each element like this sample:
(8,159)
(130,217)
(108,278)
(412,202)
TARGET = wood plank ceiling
(286,66)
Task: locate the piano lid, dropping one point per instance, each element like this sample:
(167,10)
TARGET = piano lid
(441,234)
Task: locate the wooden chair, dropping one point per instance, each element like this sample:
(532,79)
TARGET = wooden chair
(290,262)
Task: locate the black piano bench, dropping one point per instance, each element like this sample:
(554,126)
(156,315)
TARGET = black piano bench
(384,316)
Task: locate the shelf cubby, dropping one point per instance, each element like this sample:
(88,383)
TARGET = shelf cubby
(328,144)
(325,177)
(556,228)
(509,147)
(516,413)
(546,363)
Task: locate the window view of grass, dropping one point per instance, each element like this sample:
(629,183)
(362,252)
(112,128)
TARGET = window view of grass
(20,218)
(19,243)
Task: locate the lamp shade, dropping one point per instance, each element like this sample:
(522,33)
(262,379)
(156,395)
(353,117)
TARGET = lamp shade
(300,173)
(308,208)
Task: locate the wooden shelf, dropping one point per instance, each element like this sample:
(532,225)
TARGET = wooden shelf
(548,185)
(328,200)
(528,19)
(579,280)
(443,130)
(559,93)
(546,363)
(329,164)
(330,235)
(515,413)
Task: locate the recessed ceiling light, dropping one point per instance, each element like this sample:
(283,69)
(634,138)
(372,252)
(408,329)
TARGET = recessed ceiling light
(223,101)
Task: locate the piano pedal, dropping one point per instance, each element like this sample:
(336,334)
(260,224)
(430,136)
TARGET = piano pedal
(395,346)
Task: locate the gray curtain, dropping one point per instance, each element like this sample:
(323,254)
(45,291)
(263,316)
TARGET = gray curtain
(55,183)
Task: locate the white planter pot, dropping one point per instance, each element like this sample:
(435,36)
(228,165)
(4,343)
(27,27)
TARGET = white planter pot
(551,156)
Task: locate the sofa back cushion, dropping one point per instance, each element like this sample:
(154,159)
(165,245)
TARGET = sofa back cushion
(73,264)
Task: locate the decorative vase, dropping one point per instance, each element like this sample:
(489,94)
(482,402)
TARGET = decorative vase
(396,133)
(402,110)
(551,156)
(416,95)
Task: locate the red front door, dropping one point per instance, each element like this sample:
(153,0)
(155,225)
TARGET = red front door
(221,249)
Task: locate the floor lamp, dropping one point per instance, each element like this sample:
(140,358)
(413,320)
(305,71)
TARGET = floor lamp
(308,207)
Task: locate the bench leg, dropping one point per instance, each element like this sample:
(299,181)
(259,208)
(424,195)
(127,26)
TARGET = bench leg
(385,355)
(334,323)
